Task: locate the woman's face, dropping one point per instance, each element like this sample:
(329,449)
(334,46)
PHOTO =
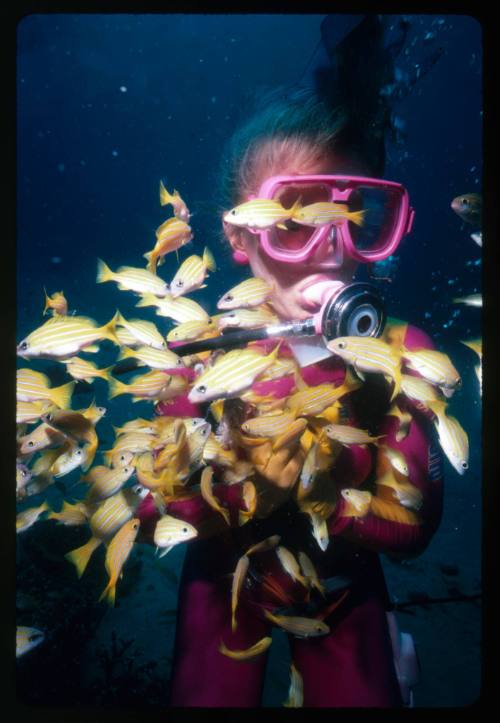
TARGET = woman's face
(291,280)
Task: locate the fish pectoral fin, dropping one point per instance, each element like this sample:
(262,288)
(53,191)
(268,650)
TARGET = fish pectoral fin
(167,549)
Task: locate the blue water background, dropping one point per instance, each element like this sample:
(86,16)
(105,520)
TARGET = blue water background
(109,104)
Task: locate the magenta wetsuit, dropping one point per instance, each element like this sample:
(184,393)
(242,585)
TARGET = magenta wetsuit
(353,665)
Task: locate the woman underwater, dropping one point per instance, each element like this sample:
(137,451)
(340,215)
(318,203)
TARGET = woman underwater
(280,153)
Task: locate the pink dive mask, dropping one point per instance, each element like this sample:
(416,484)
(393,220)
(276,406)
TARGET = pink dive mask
(386,219)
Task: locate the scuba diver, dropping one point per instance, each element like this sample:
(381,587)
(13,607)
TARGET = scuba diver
(315,146)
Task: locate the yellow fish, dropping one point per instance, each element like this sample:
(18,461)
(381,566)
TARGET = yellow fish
(239,576)
(296,691)
(268,425)
(126,338)
(232,373)
(319,214)
(137,425)
(404,418)
(418,389)
(76,426)
(153,358)
(358,502)
(190,330)
(249,293)
(133,442)
(260,213)
(27,412)
(246,318)
(107,482)
(368,354)
(144,331)
(93,413)
(180,310)
(85,371)
(28,517)
(27,639)
(249,653)
(320,530)
(61,337)
(56,302)
(208,494)
(170,531)
(117,553)
(310,572)
(34,386)
(407,494)
(41,437)
(170,236)
(435,367)
(396,458)
(192,274)
(346,435)
(290,565)
(71,514)
(312,401)
(298,626)
(68,461)
(143,386)
(181,211)
(452,437)
(129,278)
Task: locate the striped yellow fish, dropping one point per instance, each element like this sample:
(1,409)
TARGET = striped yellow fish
(396,458)
(153,358)
(77,427)
(368,354)
(93,413)
(68,461)
(268,425)
(56,302)
(247,318)
(27,639)
(144,331)
(239,576)
(309,468)
(28,517)
(213,451)
(117,553)
(407,494)
(134,442)
(192,274)
(346,435)
(146,426)
(310,572)
(180,310)
(129,278)
(452,437)
(170,531)
(249,293)
(418,389)
(85,371)
(42,437)
(170,236)
(319,530)
(403,417)
(107,482)
(435,367)
(190,330)
(260,213)
(319,214)
(249,653)
(290,565)
(208,494)
(62,337)
(298,626)
(296,690)
(358,502)
(180,209)
(196,440)
(27,412)
(280,368)
(71,515)
(232,373)
(34,386)
(107,519)
(126,338)
(312,401)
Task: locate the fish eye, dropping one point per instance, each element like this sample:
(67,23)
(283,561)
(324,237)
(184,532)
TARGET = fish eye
(233,212)
(23,345)
(102,410)
(35,636)
(179,282)
(464,465)
(31,443)
(202,389)
(185,529)
(228,297)
(341,345)
(465,201)
(49,417)
(79,452)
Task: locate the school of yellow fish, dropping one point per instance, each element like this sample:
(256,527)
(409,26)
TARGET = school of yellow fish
(160,455)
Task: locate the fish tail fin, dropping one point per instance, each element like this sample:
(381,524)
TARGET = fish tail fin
(47,301)
(125,353)
(397,384)
(108,330)
(109,593)
(81,555)
(295,207)
(208,259)
(438,407)
(116,387)
(151,265)
(147,255)
(165,196)
(61,396)
(104,273)
(147,300)
(90,453)
(350,380)
(357,217)
(106,372)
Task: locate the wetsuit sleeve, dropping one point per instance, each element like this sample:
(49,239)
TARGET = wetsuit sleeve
(409,537)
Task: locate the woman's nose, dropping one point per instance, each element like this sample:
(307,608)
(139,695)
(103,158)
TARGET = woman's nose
(329,248)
